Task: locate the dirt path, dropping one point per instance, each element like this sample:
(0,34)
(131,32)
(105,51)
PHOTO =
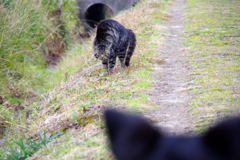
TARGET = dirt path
(169,92)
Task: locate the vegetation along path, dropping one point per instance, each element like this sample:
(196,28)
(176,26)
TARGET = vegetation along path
(169,92)
(183,76)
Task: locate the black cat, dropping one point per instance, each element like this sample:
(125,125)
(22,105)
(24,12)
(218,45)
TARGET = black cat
(113,40)
(133,138)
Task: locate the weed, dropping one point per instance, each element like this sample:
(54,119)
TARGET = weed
(23,148)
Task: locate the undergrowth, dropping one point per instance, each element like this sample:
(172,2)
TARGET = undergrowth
(26,29)
(26,147)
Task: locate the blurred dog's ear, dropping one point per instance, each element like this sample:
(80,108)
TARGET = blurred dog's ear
(224,139)
(131,137)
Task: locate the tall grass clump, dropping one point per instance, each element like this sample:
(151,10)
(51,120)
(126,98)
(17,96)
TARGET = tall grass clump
(25,29)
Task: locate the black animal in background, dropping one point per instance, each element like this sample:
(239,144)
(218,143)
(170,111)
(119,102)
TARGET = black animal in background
(113,40)
(133,138)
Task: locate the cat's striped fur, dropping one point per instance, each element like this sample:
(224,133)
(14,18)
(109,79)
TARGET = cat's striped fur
(113,40)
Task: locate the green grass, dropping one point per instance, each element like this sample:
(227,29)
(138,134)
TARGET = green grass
(66,105)
(75,91)
(26,147)
(24,75)
(212,39)
(22,31)
(25,29)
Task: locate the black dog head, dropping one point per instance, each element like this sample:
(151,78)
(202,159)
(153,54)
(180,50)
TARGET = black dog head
(133,138)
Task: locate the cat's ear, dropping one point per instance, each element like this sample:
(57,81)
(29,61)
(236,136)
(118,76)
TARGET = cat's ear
(224,139)
(131,137)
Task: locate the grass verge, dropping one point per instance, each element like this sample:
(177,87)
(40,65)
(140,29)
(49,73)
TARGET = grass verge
(88,90)
(27,30)
(212,38)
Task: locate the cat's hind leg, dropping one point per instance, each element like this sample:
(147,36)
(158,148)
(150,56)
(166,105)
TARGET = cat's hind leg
(105,66)
(128,56)
(130,48)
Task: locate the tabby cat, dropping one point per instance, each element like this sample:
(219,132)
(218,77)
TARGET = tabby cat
(113,40)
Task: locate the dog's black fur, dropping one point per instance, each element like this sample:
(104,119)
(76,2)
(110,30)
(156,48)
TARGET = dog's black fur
(113,40)
(133,138)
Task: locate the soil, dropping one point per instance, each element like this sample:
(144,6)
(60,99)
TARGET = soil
(170,88)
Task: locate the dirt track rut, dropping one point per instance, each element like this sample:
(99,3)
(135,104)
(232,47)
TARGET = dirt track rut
(169,92)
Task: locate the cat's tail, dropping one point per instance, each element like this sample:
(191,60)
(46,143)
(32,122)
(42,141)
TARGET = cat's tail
(132,40)
(131,46)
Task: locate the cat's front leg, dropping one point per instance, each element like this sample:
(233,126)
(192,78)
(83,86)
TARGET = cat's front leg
(105,66)
(111,63)
(123,64)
